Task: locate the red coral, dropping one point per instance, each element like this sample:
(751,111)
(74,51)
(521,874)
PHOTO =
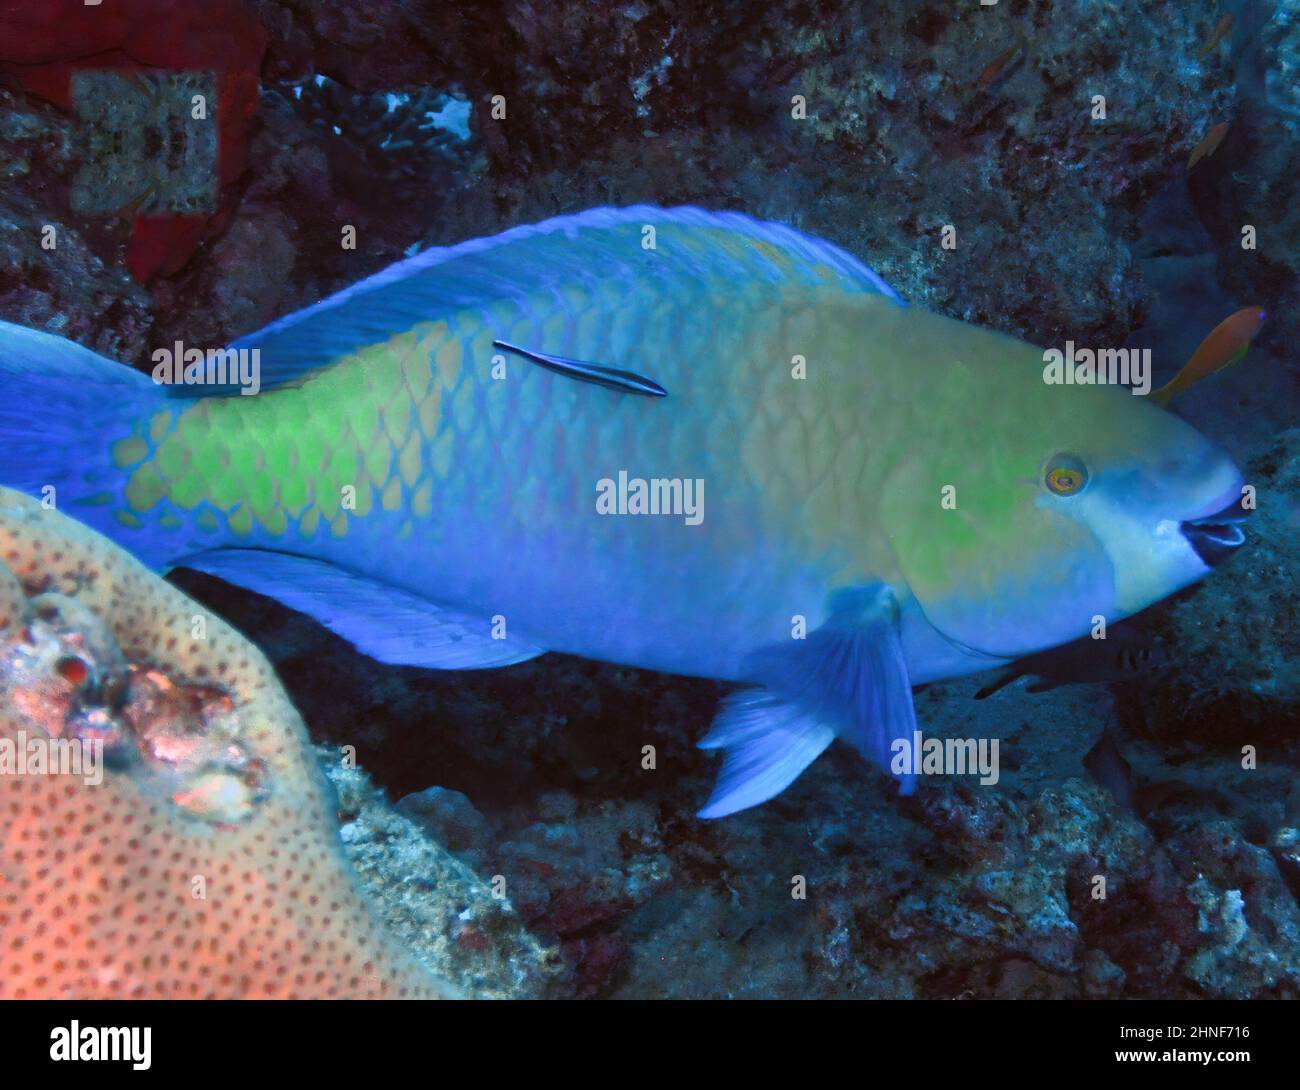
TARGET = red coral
(42,45)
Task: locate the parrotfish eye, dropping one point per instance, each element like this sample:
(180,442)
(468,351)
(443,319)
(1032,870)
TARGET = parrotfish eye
(1066,475)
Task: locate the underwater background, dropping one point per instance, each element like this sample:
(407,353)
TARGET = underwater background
(919,114)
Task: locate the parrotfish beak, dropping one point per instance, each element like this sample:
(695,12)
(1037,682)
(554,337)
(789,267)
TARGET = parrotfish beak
(1215,537)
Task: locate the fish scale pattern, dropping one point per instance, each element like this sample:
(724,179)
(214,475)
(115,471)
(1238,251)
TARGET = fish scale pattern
(280,461)
(433,459)
(292,466)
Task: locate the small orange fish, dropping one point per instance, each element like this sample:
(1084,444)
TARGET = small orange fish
(996,66)
(1220,32)
(1209,145)
(1225,345)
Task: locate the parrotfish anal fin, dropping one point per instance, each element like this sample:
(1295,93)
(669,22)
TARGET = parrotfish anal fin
(848,679)
(627,381)
(538,260)
(381,621)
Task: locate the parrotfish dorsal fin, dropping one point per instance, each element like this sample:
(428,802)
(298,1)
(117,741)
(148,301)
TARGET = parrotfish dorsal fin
(538,259)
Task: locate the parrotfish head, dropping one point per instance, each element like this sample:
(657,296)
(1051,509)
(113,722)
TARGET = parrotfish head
(1067,505)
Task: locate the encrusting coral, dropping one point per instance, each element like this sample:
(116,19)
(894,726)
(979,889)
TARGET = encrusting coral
(205,861)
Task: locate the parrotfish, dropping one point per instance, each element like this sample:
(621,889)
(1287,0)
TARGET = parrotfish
(885,496)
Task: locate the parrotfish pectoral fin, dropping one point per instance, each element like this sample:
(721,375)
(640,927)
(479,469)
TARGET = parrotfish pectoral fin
(627,381)
(848,679)
(379,620)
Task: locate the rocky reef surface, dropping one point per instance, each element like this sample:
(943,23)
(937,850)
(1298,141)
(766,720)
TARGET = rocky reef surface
(1175,875)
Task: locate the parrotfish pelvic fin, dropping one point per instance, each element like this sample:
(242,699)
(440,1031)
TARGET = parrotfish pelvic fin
(613,379)
(848,679)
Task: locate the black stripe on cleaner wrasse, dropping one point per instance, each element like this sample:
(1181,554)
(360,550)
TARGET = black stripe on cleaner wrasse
(627,381)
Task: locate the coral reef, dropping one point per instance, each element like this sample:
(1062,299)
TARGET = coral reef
(1252,179)
(202,860)
(1069,226)
(456,919)
(78,287)
(139,37)
(396,136)
(900,138)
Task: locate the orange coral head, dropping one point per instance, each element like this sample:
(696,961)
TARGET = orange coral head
(197,856)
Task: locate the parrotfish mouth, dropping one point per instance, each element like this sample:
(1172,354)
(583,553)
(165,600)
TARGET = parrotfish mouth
(1216,536)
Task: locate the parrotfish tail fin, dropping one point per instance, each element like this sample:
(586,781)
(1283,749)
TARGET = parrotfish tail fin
(848,679)
(58,403)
